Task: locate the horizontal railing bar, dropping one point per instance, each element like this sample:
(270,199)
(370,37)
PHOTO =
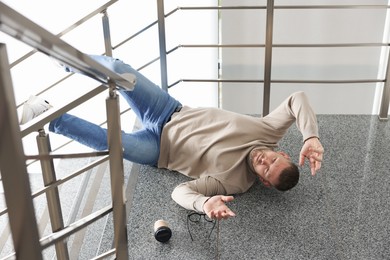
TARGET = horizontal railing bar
(331,81)
(331,6)
(61,181)
(10,256)
(248,7)
(25,30)
(252,45)
(329,45)
(87,17)
(332,45)
(279,81)
(241,7)
(3,211)
(70,176)
(65,156)
(104,255)
(49,87)
(74,227)
(38,122)
(147,64)
(68,29)
(314,45)
(142,30)
(134,35)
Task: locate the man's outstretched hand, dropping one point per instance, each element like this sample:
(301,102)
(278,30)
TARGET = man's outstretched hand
(215,207)
(313,151)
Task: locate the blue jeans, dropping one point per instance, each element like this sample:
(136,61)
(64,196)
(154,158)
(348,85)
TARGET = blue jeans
(152,105)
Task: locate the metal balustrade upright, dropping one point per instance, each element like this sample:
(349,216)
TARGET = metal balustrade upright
(25,233)
(268,56)
(385,100)
(162,44)
(116,156)
(14,172)
(52,196)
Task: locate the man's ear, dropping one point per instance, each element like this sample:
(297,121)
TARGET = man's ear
(284,155)
(265,182)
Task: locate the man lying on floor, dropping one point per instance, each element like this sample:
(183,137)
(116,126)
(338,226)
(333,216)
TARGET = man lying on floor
(224,152)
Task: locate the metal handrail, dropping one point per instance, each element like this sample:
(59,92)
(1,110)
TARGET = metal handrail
(269,45)
(267,79)
(292,45)
(279,81)
(68,29)
(19,27)
(74,227)
(249,7)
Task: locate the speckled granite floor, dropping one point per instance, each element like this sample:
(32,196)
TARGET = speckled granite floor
(342,213)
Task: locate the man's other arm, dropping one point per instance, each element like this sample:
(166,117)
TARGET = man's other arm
(205,195)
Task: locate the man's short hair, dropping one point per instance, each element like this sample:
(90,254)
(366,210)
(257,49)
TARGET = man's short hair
(288,178)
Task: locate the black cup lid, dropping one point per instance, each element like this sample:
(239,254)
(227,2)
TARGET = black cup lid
(163,234)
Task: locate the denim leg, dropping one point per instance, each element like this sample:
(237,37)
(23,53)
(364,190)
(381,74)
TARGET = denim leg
(152,105)
(139,147)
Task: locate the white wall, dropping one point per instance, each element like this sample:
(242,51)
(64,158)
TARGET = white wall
(304,26)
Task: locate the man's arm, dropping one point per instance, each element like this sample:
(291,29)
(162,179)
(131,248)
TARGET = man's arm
(206,195)
(297,108)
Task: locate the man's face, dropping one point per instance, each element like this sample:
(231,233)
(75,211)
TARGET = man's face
(269,164)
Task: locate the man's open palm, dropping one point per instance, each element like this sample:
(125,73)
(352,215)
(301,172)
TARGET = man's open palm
(216,208)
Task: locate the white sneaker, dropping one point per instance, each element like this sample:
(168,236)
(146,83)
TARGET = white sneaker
(33,107)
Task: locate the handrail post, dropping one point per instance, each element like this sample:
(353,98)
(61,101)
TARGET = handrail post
(162,43)
(114,139)
(268,57)
(117,174)
(384,107)
(52,196)
(13,169)
(106,33)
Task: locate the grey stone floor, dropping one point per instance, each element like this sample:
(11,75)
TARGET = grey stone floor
(342,213)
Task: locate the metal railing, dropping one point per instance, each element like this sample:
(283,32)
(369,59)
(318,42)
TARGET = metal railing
(14,173)
(269,46)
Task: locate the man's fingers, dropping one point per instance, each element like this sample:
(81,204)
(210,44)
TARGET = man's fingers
(227,198)
(301,159)
(311,157)
(318,150)
(314,166)
(222,214)
(316,157)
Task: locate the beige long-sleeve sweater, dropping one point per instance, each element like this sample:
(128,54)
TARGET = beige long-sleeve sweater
(212,146)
